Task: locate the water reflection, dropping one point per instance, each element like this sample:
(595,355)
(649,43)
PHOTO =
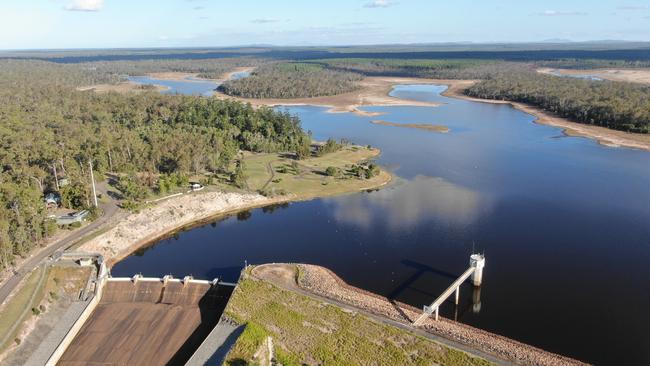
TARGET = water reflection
(409,203)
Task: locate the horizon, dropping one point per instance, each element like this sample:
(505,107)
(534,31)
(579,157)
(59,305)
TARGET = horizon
(548,42)
(118,24)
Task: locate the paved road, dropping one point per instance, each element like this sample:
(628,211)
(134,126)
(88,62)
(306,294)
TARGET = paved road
(109,209)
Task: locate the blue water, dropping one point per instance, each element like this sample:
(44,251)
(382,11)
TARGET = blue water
(563,221)
(189,86)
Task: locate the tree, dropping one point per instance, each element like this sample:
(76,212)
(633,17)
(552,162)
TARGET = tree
(238,177)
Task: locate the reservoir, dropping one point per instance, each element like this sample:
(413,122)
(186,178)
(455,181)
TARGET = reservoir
(563,221)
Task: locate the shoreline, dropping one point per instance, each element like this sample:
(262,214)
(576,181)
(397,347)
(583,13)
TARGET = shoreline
(377,86)
(604,136)
(323,282)
(152,224)
(631,75)
(320,282)
(417,126)
(122,87)
(372,92)
(193,76)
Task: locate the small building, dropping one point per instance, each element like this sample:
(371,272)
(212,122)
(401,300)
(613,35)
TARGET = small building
(85,261)
(72,218)
(196,186)
(52,200)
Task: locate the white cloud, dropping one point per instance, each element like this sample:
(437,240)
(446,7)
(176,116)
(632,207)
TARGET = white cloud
(378,4)
(555,13)
(85,5)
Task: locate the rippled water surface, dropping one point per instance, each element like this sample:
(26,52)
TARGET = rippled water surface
(563,221)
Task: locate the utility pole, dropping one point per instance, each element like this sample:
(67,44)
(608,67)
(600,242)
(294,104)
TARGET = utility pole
(56,177)
(92,179)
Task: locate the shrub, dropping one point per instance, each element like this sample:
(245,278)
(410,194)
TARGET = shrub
(332,171)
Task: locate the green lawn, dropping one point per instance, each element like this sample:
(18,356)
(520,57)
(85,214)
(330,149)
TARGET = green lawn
(276,174)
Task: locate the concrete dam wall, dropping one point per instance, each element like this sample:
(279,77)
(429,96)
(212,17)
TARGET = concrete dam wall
(143,321)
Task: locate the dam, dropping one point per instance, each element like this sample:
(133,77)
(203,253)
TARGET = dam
(148,321)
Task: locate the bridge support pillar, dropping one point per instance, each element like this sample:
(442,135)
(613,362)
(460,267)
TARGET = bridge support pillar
(457,294)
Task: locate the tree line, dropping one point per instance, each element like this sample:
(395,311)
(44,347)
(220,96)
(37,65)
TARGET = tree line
(421,68)
(616,105)
(47,125)
(292,80)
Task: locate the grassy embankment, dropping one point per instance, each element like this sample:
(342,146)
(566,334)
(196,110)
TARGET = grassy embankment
(43,287)
(307,331)
(276,174)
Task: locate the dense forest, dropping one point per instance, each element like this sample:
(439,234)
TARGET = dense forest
(591,64)
(208,69)
(148,138)
(435,69)
(292,80)
(616,105)
(47,125)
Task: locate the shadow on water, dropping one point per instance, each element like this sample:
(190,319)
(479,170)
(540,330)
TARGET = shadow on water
(409,284)
(225,272)
(549,211)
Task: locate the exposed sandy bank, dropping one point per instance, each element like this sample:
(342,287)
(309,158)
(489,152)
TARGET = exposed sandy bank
(172,75)
(189,76)
(604,136)
(373,91)
(420,126)
(122,87)
(155,222)
(641,76)
(229,75)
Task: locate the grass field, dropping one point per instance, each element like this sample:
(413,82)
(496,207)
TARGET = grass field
(15,309)
(276,174)
(307,331)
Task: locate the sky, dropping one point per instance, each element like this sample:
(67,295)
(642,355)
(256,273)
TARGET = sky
(55,24)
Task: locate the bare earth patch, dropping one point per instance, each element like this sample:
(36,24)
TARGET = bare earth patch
(641,76)
(189,76)
(123,87)
(420,126)
(154,222)
(373,91)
